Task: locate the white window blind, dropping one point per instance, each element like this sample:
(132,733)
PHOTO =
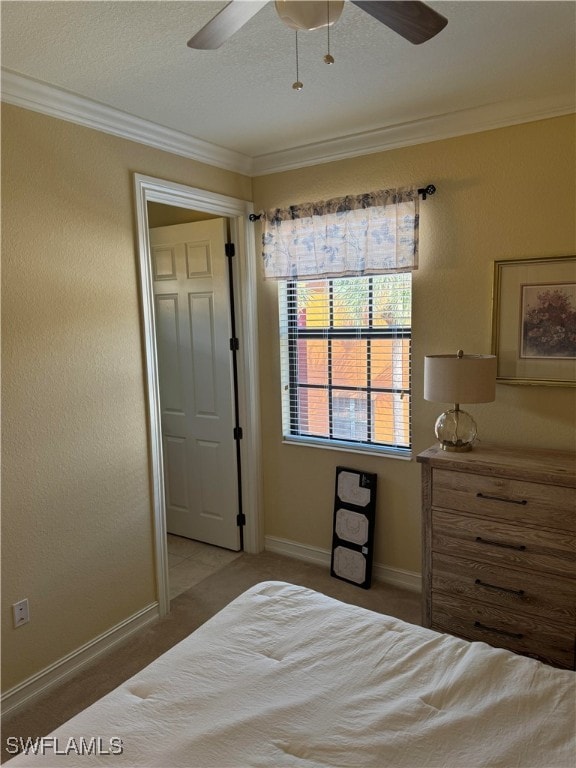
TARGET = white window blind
(345,356)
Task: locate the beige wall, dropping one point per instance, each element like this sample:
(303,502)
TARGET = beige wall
(161,215)
(503,194)
(76,512)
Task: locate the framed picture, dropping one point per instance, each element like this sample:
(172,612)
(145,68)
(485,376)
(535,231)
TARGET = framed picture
(534,321)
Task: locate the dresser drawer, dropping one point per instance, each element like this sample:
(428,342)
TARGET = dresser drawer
(537,594)
(503,544)
(501,498)
(504,629)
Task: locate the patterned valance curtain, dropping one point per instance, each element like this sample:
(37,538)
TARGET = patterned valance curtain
(355,235)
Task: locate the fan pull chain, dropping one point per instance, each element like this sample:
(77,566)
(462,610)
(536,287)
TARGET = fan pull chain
(297,86)
(328,59)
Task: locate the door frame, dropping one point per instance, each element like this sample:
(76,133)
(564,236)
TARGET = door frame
(150,189)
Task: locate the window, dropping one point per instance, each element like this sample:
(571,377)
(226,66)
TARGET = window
(345,354)
(344,270)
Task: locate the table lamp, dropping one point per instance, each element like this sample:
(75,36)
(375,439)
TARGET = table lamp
(458,379)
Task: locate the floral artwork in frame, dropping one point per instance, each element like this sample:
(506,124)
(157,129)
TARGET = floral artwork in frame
(548,326)
(534,321)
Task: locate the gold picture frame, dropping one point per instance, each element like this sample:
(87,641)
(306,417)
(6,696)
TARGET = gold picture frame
(534,321)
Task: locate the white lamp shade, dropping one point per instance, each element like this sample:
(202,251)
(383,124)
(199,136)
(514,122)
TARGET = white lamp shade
(465,379)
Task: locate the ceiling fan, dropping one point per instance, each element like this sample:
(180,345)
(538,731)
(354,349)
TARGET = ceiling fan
(415,21)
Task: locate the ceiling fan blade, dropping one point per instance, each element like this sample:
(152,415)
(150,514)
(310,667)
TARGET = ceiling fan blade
(228,21)
(413,20)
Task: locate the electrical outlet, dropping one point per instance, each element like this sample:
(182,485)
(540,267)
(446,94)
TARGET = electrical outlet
(20,612)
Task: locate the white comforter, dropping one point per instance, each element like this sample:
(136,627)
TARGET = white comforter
(284,676)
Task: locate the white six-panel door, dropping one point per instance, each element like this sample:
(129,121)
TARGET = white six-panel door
(192,304)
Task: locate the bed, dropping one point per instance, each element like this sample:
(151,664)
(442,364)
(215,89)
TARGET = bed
(285,676)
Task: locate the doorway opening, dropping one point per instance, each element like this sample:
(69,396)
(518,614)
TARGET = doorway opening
(164,208)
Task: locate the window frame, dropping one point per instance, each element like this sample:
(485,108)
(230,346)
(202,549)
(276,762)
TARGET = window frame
(356,333)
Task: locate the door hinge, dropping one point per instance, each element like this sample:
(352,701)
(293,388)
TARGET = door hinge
(229,249)
(234,344)
(241,519)
(238,433)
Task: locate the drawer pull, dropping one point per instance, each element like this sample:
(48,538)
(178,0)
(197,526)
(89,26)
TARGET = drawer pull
(517,592)
(485,628)
(481,495)
(519,547)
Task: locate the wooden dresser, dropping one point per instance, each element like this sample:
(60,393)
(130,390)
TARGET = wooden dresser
(499,548)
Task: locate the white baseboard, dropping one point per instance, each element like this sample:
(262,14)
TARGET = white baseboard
(56,673)
(395,576)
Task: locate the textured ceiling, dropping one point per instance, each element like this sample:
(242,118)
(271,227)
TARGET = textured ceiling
(132,56)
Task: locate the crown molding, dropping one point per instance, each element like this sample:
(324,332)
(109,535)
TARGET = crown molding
(484,118)
(39,97)
(30,94)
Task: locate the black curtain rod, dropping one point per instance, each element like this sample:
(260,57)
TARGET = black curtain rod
(424,192)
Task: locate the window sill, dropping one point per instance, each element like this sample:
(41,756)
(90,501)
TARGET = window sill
(385,453)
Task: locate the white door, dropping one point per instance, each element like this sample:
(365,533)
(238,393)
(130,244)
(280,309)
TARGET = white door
(192,303)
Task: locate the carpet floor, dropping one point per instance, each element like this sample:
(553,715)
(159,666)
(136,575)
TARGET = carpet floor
(188,611)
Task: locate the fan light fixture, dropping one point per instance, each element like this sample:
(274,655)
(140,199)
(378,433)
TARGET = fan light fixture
(309,15)
(458,379)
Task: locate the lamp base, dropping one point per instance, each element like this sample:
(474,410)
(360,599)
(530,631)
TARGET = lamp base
(455,430)
(456,447)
